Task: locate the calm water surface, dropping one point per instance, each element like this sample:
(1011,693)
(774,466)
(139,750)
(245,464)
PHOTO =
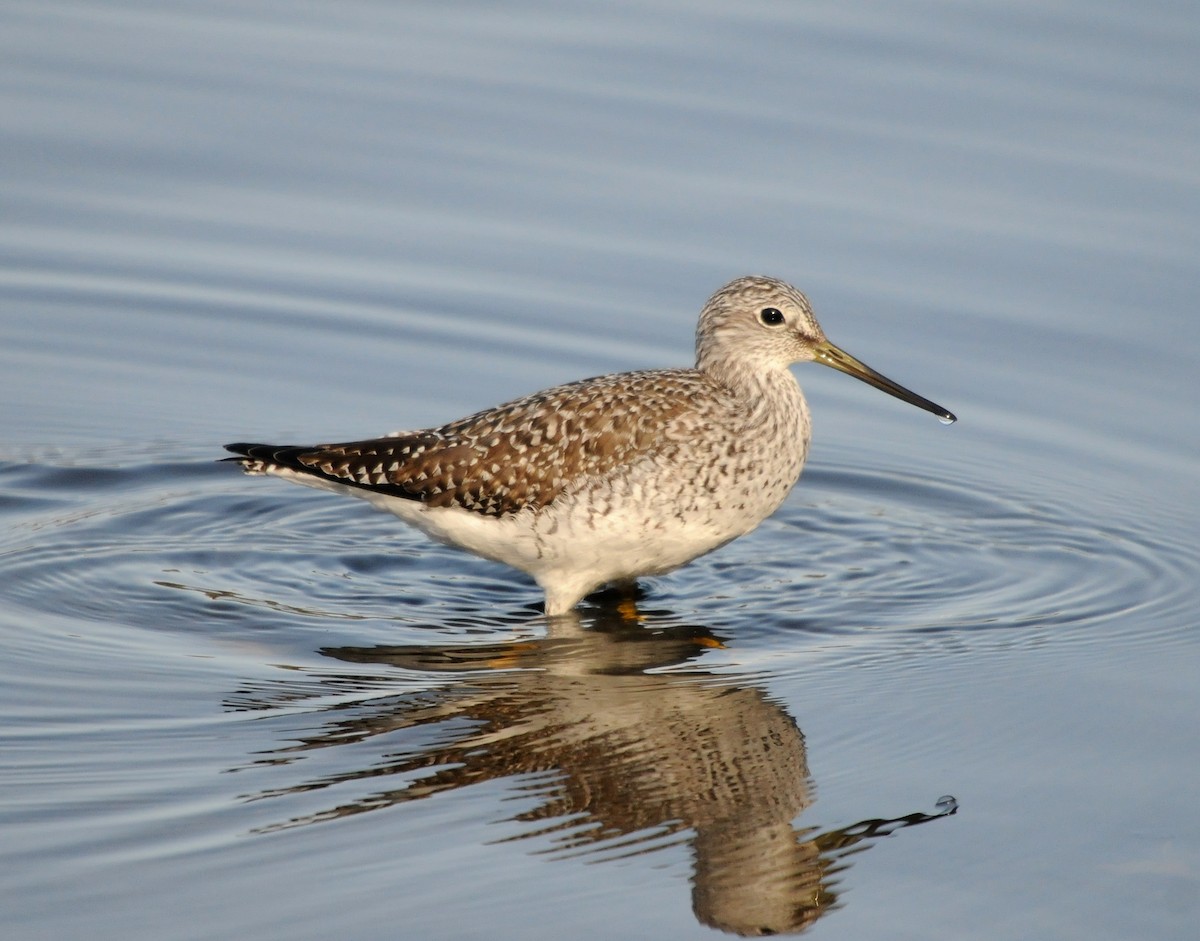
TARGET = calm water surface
(951,689)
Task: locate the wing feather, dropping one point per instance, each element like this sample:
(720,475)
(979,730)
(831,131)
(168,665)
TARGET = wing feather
(519,455)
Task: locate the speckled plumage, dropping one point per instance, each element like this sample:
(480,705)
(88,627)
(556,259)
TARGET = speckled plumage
(607,479)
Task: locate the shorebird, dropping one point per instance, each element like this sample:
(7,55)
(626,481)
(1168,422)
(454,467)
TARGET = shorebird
(608,479)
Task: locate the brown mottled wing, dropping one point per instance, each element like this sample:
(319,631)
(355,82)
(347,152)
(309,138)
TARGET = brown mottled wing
(521,454)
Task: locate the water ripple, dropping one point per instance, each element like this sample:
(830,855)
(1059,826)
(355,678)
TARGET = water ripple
(855,552)
(860,550)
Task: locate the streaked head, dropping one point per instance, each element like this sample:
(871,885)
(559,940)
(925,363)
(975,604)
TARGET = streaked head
(756,324)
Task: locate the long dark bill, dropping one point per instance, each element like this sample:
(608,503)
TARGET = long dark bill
(829,355)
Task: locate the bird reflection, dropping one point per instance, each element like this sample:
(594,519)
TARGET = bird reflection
(622,760)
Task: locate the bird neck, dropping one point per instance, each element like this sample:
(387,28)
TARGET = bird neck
(751,380)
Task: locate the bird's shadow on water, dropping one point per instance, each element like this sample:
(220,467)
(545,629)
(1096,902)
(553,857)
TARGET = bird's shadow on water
(625,744)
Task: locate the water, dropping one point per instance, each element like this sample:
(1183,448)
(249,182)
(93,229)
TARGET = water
(232,707)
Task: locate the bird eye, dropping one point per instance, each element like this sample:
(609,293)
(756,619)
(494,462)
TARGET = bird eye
(771,316)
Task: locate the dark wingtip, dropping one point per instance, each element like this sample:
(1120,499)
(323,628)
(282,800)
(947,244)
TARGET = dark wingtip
(258,456)
(247,451)
(258,451)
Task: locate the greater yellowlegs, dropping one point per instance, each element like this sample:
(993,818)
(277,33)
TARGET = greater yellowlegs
(607,479)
